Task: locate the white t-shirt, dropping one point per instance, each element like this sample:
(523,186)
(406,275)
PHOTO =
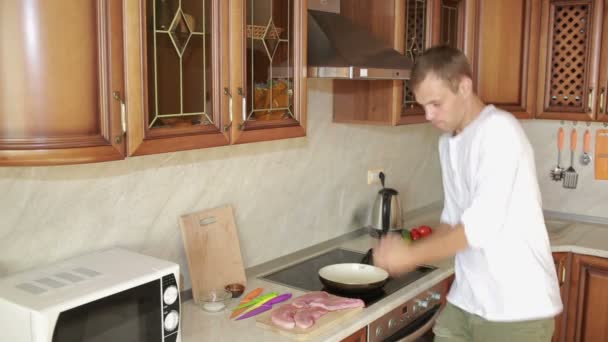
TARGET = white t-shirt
(490,186)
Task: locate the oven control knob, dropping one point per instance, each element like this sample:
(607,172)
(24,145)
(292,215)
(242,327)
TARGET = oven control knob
(392,323)
(422,303)
(435,296)
(379,331)
(171,320)
(170,295)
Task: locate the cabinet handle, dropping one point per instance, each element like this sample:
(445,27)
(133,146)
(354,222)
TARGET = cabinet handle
(602,100)
(563,275)
(123,111)
(244,109)
(590,101)
(227,92)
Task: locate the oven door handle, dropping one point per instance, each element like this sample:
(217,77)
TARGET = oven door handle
(429,321)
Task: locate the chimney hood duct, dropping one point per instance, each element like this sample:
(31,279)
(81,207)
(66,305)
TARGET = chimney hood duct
(339,49)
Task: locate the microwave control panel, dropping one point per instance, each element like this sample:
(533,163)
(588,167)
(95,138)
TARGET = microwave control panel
(171,305)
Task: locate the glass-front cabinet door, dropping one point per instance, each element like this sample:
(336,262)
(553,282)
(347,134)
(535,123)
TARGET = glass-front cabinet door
(428,23)
(176,69)
(269,87)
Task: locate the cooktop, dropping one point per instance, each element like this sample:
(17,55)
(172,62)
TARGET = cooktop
(304,275)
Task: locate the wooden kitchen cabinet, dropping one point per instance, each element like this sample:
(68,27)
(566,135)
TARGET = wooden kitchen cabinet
(562,267)
(61,62)
(569,65)
(176,67)
(267,65)
(588,299)
(199,73)
(602,104)
(100,80)
(505,46)
(358,336)
(440,22)
(409,26)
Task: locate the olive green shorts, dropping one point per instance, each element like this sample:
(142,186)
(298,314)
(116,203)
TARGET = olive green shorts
(457,325)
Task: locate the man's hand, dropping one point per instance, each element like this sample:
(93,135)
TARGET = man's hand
(392,254)
(397,257)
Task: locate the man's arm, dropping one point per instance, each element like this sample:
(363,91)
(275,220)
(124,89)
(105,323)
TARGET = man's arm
(396,257)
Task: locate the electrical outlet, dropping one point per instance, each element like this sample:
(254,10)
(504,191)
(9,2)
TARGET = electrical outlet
(373,176)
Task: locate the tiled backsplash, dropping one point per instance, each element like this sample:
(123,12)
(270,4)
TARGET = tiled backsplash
(287,194)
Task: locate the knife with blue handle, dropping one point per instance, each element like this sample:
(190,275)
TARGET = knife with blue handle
(266,306)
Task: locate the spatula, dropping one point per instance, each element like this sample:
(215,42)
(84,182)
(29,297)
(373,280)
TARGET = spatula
(570,175)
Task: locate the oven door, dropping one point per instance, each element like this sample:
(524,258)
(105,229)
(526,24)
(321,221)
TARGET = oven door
(420,330)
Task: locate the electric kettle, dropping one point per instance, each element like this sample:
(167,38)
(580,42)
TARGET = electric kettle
(386,212)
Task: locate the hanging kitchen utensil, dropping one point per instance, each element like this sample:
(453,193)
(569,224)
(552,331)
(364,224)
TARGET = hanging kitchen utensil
(585,157)
(570,175)
(601,154)
(558,172)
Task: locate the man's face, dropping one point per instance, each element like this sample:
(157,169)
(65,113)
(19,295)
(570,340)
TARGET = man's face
(442,107)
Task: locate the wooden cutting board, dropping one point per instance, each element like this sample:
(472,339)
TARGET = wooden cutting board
(326,322)
(212,249)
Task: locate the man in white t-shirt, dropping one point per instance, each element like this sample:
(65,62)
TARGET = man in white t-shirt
(505,286)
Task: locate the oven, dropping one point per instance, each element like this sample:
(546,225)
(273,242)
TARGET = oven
(411,321)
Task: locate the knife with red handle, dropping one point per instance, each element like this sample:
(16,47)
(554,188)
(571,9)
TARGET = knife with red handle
(248,298)
(266,306)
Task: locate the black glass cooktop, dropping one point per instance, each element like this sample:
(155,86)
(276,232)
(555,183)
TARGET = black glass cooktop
(304,275)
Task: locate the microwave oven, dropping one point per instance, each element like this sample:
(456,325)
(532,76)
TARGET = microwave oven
(113,295)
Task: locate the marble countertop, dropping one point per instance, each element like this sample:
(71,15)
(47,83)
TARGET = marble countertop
(198,325)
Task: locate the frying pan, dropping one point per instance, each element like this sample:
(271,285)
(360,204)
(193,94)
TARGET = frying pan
(353,277)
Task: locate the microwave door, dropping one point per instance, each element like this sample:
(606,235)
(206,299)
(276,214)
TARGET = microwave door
(134,315)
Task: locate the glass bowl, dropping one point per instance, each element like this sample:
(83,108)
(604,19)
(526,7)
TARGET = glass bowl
(215,300)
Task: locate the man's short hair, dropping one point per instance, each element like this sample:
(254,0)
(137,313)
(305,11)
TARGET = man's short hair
(445,62)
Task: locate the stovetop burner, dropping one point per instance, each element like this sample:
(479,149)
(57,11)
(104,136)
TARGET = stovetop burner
(304,275)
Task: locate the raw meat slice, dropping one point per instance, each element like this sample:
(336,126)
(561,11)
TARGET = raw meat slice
(283,316)
(305,300)
(335,303)
(306,317)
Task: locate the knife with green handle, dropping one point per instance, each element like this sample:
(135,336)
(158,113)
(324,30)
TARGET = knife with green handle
(260,303)
(266,306)
(260,300)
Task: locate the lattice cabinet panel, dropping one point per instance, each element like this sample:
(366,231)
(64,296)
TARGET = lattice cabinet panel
(428,23)
(569,57)
(415,44)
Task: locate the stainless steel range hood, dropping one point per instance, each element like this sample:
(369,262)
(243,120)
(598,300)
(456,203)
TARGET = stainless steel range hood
(339,49)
